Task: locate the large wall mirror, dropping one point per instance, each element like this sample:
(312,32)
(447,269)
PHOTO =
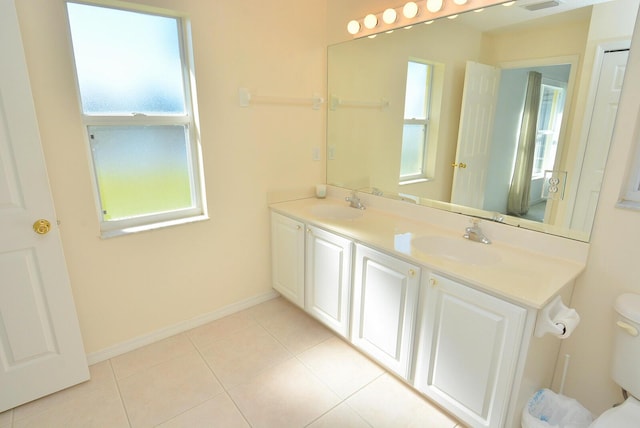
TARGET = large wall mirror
(505,114)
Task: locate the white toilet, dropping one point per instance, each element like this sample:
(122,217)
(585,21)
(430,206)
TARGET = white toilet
(626,365)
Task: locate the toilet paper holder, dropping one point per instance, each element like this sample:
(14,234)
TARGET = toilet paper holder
(556,319)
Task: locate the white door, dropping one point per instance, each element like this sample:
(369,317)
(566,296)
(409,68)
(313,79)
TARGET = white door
(467,351)
(41,349)
(328,279)
(287,257)
(600,133)
(385,294)
(481,83)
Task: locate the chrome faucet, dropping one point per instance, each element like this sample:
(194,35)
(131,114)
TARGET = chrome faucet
(354,201)
(474,233)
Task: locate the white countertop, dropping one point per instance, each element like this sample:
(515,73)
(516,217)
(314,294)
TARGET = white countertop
(529,278)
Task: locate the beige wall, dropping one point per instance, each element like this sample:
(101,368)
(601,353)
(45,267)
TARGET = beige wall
(612,267)
(132,285)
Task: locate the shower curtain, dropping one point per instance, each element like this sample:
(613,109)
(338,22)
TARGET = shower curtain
(518,201)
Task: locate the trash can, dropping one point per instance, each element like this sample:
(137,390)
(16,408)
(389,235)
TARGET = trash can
(546,409)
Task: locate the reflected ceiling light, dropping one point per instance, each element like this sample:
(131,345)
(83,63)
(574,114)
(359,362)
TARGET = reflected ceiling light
(429,22)
(370,21)
(353,27)
(434,6)
(452,17)
(460,2)
(389,16)
(410,10)
(479,10)
(508,3)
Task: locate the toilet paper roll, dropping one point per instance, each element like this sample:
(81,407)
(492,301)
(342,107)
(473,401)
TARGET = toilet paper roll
(566,322)
(557,319)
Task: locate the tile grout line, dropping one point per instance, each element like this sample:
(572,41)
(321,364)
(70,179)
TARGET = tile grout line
(124,406)
(224,388)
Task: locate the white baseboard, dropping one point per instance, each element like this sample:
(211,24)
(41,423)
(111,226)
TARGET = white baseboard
(140,341)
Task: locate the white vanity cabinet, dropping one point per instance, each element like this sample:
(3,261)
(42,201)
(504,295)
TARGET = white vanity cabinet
(385,297)
(328,278)
(468,350)
(287,257)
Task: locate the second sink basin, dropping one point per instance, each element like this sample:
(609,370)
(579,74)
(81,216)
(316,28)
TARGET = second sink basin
(336,212)
(457,249)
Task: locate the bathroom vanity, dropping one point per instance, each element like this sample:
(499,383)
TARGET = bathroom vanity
(451,317)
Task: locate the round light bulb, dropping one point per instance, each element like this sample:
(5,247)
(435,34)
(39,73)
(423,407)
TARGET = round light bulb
(389,16)
(434,6)
(410,10)
(353,27)
(460,2)
(370,21)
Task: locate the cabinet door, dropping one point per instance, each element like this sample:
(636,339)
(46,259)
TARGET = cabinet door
(287,257)
(468,349)
(328,279)
(385,293)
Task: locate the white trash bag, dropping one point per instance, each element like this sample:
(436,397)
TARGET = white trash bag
(546,409)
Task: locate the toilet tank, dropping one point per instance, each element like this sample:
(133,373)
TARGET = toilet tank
(626,349)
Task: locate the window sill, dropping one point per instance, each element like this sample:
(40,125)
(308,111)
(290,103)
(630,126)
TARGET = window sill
(414,181)
(628,205)
(106,234)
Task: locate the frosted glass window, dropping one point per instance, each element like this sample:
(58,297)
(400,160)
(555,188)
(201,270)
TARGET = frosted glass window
(413,158)
(137,107)
(415,102)
(126,62)
(141,169)
(412,150)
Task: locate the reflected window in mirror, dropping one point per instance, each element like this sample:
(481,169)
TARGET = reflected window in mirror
(630,197)
(415,131)
(552,98)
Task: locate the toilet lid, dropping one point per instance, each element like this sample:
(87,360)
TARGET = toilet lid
(626,415)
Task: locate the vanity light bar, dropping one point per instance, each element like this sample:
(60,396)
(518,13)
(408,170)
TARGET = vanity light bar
(414,13)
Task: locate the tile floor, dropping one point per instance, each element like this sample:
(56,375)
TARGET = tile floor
(268,366)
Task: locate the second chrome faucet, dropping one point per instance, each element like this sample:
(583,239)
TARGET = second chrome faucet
(474,233)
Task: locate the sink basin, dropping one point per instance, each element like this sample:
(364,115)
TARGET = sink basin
(457,249)
(336,212)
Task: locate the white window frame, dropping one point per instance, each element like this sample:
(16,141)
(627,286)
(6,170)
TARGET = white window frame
(198,212)
(422,175)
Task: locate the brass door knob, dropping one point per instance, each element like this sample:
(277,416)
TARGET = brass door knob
(42,226)
(460,165)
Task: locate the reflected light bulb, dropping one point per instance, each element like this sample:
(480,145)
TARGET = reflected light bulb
(353,27)
(389,16)
(460,2)
(370,21)
(434,6)
(410,10)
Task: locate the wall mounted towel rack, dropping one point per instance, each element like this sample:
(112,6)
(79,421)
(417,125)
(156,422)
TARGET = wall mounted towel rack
(246,98)
(336,101)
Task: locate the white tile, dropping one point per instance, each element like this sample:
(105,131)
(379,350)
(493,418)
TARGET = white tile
(215,331)
(148,356)
(166,390)
(340,366)
(287,395)
(219,411)
(296,330)
(241,356)
(83,408)
(341,416)
(101,378)
(388,403)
